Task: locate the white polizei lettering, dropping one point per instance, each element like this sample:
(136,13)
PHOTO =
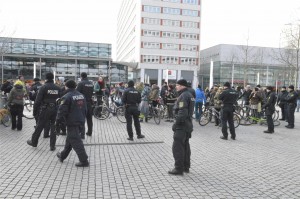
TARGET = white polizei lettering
(133,92)
(53,92)
(78,97)
(89,85)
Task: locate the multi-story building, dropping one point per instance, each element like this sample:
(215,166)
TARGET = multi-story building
(162,37)
(64,58)
(245,65)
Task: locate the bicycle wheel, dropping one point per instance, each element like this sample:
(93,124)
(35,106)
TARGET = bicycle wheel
(275,115)
(276,123)
(120,111)
(101,112)
(205,118)
(28,115)
(156,115)
(236,120)
(246,121)
(6,120)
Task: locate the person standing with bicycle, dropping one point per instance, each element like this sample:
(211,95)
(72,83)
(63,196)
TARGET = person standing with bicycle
(269,107)
(16,104)
(86,88)
(228,98)
(131,99)
(182,128)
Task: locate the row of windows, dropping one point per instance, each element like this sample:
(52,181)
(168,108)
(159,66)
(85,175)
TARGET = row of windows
(194,2)
(168,22)
(168,46)
(155,59)
(165,34)
(173,11)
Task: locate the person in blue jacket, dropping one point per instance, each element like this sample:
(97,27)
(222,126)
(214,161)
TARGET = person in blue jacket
(200,100)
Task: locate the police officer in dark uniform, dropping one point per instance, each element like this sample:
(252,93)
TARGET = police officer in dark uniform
(228,98)
(72,111)
(183,127)
(281,102)
(269,106)
(291,100)
(131,98)
(45,107)
(86,88)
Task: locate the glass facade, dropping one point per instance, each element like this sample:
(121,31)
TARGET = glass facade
(64,58)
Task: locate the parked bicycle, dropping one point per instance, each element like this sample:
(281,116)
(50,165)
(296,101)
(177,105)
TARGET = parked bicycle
(102,112)
(253,117)
(5,116)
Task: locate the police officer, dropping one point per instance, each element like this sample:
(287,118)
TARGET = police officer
(281,102)
(45,107)
(86,88)
(131,98)
(228,98)
(183,127)
(72,110)
(270,109)
(291,100)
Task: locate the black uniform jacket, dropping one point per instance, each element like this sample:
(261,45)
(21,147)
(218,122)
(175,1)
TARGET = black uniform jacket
(131,97)
(86,88)
(72,109)
(47,95)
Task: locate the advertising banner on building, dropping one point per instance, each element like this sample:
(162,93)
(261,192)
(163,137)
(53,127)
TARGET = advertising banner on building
(169,74)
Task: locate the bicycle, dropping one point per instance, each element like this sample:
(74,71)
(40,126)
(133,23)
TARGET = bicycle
(102,112)
(251,118)
(28,104)
(207,116)
(154,112)
(5,116)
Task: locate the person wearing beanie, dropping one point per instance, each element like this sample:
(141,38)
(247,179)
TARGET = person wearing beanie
(21,81)
(131,98)
(269,107)
(281,102)
(72,111)
(45,109)
(228,98)
(182,128)
(291,100)
(86,87)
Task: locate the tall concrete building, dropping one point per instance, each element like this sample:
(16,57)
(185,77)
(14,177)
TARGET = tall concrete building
(162,37)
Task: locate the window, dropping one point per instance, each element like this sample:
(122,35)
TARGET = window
(151,33)
(172,1)
(187,61)
(189,24)
(194,2)
(169,60)
(151,21)
(167,22)
(193,13)
(188,48)
(151,45)
(153,9)
(154,59)
(172,11)
(174,35)
(189,36)
(170,46)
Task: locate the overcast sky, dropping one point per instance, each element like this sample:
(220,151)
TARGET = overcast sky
(223,22)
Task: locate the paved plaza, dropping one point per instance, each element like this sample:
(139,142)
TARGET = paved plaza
(256,165)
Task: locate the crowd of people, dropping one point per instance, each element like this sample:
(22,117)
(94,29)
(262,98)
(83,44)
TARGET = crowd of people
(62,107)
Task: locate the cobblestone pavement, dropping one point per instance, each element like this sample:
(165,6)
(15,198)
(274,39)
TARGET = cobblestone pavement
(256,165)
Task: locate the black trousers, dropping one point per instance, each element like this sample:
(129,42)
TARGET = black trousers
(270,122)
(181,148)
(227,116)
(89,118)
(132,112)
(47,114)
(73,141)
(291,114)
(16,112)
